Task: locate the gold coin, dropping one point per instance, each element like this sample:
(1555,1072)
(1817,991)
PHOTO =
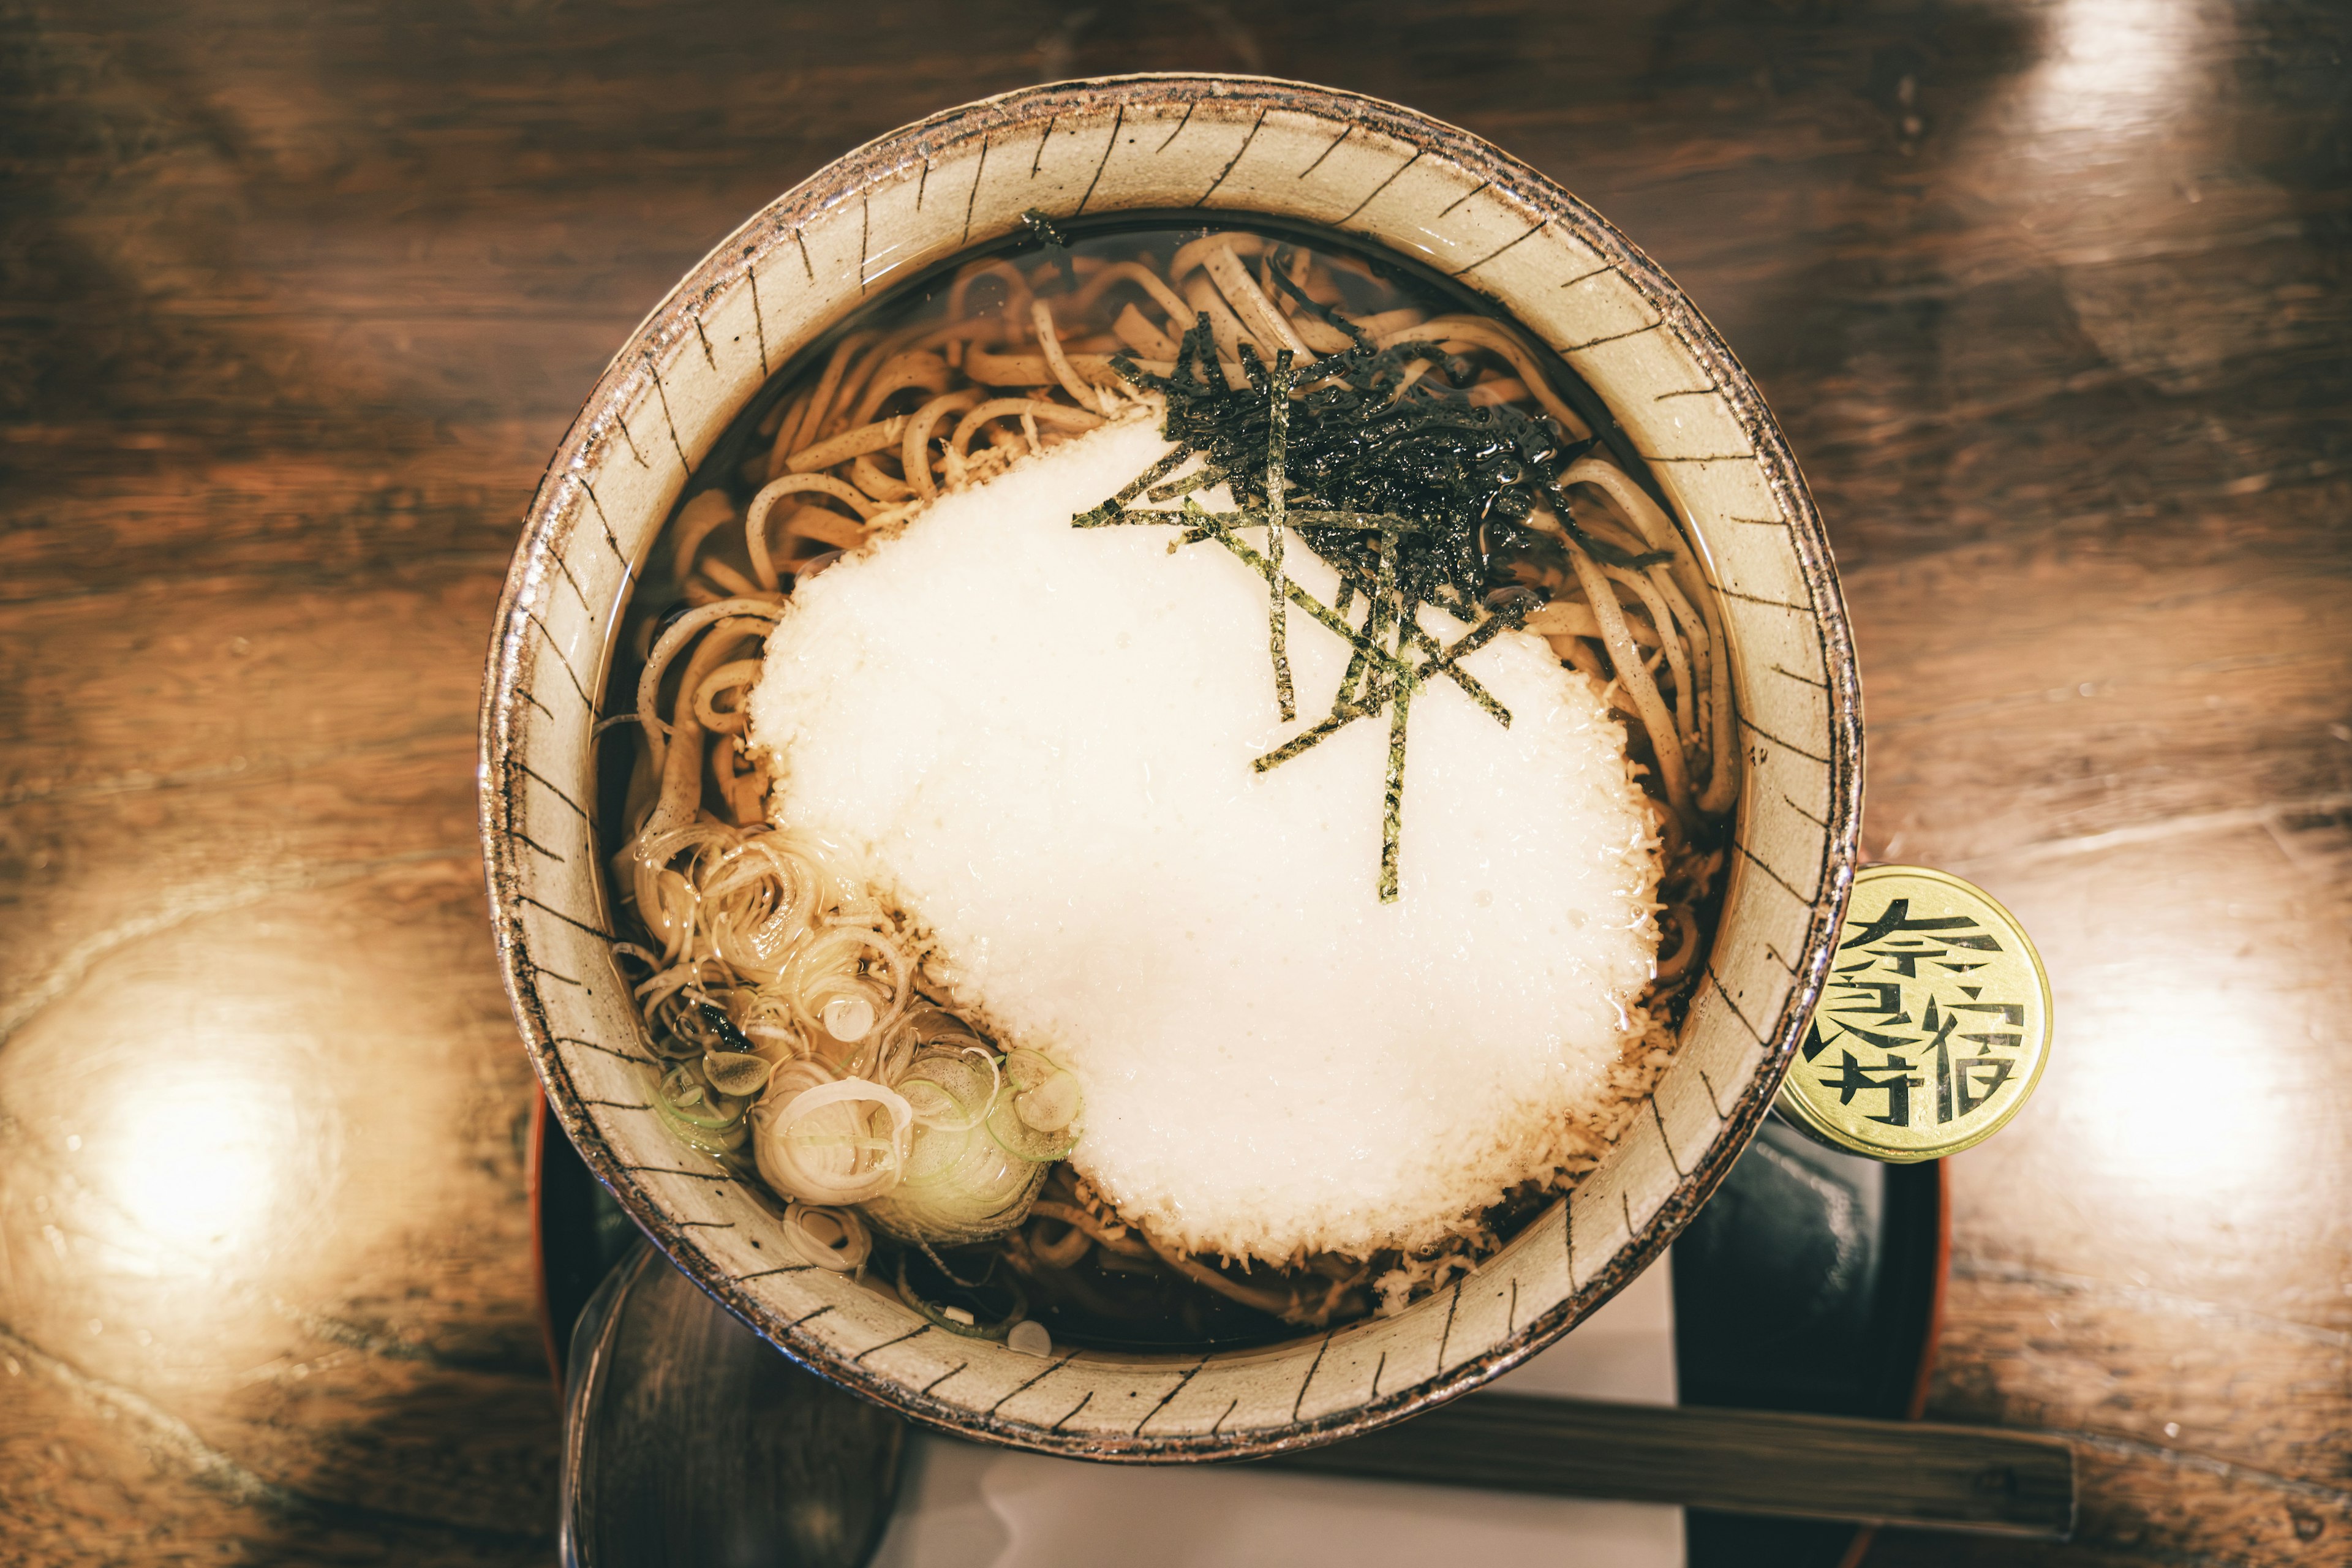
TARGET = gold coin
(1933,1027)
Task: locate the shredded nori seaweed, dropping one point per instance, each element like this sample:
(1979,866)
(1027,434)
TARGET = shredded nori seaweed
(1391,475)
(1057,249)
(1277,404)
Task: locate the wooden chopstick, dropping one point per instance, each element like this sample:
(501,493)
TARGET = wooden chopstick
(1737,1461)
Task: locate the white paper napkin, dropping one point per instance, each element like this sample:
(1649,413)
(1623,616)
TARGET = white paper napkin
(965,1506)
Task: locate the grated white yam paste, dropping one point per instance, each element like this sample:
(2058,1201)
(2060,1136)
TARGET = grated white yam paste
(1038,738)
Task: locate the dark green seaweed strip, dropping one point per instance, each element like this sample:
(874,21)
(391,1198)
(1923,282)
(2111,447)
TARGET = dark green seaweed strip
(1495,622)
(1278,612)
(1244,516)
(1261,379)
(1443,662)
(1377,627)
(1341,717)
(1212,525)
(1057,249)
(1392,803)
(1199,349)
(1094,517)
(1321,312)
(1601,549)
(1367,653)
(1206,479)
(1362,521)
(1123,364)
(1345,701)
(1152,475)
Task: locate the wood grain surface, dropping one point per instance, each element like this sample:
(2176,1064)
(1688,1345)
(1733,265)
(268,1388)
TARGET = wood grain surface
(295,299)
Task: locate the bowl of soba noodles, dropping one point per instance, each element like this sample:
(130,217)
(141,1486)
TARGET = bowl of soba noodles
(1167,767)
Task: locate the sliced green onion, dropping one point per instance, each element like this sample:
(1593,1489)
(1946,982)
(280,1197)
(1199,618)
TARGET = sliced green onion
(737,1073)
(952,1089)
(683,1096)
(702,1140)
(823,1144)
(707,1125)
(932,1155)
(832,1238)
(1017,1137)
(849,1018)
(961,1320)
(1038,1120)
(1050,1106)
(958,1185)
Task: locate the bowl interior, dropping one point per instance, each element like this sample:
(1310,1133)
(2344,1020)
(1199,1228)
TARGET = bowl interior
(1220,146)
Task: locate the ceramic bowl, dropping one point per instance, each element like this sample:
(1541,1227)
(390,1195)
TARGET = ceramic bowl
(1226,148)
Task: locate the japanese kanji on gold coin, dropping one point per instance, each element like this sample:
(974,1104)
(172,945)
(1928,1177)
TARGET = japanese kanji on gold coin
(1933,1027)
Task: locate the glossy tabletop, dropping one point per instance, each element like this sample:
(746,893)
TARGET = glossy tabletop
(2054,300)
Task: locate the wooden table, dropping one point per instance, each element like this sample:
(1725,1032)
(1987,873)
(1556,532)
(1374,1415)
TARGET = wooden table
(295,299)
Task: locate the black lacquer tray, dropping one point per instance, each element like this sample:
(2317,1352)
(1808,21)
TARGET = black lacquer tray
(1813,1280)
